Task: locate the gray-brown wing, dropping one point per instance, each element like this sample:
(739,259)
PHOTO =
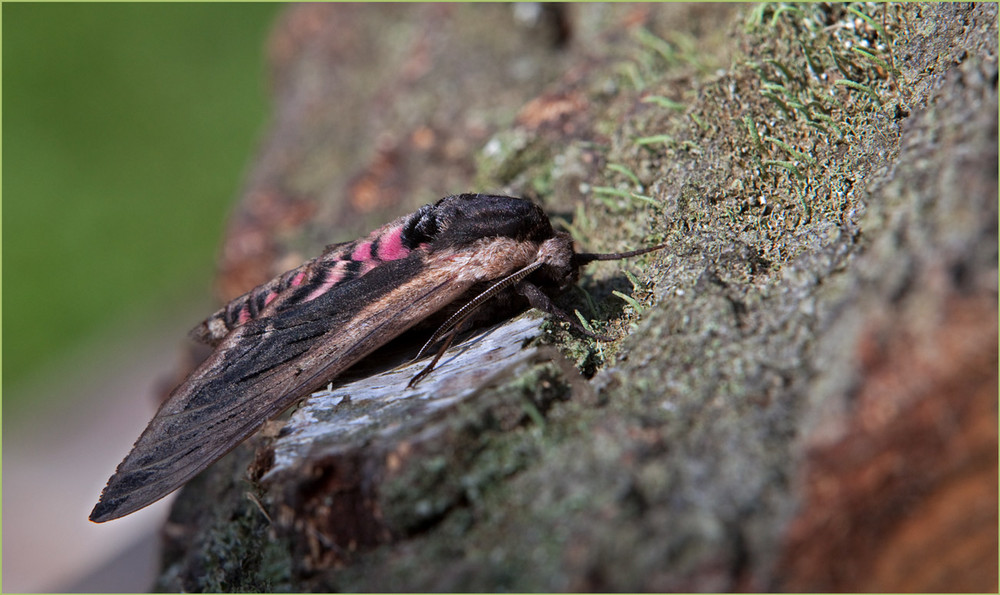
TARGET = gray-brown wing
(263,367)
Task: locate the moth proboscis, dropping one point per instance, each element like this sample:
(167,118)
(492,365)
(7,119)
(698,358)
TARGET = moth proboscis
(465,258)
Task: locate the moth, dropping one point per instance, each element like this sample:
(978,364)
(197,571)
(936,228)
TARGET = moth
(451,261)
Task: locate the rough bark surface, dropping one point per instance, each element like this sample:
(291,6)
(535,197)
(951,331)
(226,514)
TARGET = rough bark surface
(805,393)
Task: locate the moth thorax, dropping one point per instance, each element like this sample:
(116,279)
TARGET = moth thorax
(557,254)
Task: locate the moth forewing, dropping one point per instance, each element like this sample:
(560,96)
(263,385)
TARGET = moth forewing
(253,375)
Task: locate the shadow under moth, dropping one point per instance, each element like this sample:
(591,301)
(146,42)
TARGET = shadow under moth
(464,260)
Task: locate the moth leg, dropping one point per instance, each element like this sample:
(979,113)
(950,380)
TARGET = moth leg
(538,299)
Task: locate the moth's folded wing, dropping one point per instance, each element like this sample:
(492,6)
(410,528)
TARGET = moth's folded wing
(259,370)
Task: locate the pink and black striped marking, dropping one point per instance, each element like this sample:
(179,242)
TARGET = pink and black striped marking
(346,262)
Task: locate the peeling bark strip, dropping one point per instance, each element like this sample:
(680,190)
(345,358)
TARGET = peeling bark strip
(292,335)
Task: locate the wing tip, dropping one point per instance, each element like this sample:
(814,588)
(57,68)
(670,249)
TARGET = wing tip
(119,498)
(104,511)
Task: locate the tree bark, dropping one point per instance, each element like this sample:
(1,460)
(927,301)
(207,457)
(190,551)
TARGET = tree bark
(805,393)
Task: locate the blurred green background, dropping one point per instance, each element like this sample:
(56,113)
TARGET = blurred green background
(126,128)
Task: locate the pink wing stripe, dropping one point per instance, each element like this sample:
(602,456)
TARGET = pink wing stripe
(391,247)
(270,297)
(298,279)
(332,278)
(363,252)
(245,314)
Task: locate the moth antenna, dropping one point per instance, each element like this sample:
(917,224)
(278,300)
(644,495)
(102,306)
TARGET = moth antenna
(456,319)
(437,357)
(582,258)
(466,310)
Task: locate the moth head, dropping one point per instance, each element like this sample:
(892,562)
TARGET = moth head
(559,268)
(561,263)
